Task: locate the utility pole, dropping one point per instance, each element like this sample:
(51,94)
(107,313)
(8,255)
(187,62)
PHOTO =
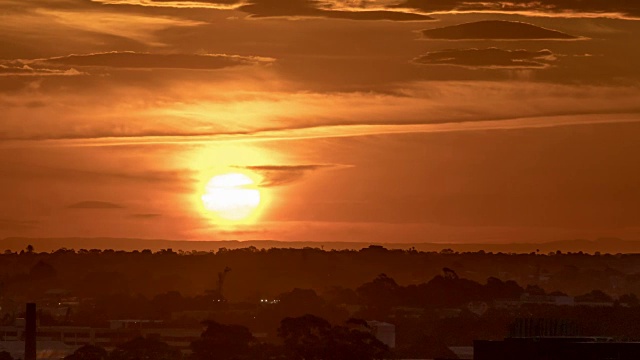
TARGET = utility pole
(30,332)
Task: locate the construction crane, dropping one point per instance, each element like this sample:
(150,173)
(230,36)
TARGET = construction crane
(221,276)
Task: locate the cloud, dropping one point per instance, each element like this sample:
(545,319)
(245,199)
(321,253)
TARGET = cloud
(135,60)
(89,27)
(221,114)
(92,204)
(339,131)
(568,8)
(204,4)
(495,29)
(278,175)
(286,8)
(66,65)
(144,216)
(17,225)
(315,8)
(175,179)
(26,70)
(492,58)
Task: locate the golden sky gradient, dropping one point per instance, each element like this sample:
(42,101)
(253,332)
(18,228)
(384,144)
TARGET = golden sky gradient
(372,120)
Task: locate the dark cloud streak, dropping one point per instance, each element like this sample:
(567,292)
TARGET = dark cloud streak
(66,65)
(488,58)
(129,59)
(144,216)
(94,205)
(17,225)
(279,175)
(496,30)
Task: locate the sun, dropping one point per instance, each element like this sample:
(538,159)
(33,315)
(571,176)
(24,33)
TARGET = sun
(233,196)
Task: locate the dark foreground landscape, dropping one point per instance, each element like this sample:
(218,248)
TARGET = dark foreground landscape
(310,303)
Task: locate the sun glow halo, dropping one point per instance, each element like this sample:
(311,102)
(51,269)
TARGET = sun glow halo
(232,196)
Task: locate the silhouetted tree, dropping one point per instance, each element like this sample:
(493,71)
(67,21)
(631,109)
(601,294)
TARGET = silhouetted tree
(222,342)
(534,290)
(303,336)
(594,296)
(421,346)
(312,338)
(145,349)
(337,295)
(88,352)
(101,283)
(449,292)
(42,271)
(342,343)
(629,300)
(164,304)
(382,292)
(557,293)
(300,301)
(497,289)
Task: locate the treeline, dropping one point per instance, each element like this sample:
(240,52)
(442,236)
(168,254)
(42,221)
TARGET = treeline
(260,274)
(451,291)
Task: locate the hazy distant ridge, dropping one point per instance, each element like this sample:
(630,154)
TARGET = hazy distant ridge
(604,245)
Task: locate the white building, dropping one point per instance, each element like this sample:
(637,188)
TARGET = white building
(384,332)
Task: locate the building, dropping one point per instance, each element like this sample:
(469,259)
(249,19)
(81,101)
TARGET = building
(555,348)
(384,332)
(528,299)
(55,342)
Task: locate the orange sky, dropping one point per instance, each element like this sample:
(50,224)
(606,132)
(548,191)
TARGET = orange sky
(380,120)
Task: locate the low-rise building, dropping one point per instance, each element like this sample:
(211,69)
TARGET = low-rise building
(556,348)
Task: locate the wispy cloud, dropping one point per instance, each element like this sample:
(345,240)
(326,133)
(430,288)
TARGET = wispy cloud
(206,113)
(278,175)
(342,131)
(400,11)
(200,4)
(145,216)
(492,58)
(316,8)
(26,70)
(17,225)
(94,205)
(67,65)
(141,28)
(561,8)
(130,59)
(286,8)
(174,179)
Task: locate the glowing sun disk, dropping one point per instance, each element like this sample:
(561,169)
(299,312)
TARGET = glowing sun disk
(231,196)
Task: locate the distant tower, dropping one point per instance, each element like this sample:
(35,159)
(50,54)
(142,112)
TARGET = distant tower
(30,333)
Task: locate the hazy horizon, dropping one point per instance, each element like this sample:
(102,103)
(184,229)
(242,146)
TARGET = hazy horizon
(53,245)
